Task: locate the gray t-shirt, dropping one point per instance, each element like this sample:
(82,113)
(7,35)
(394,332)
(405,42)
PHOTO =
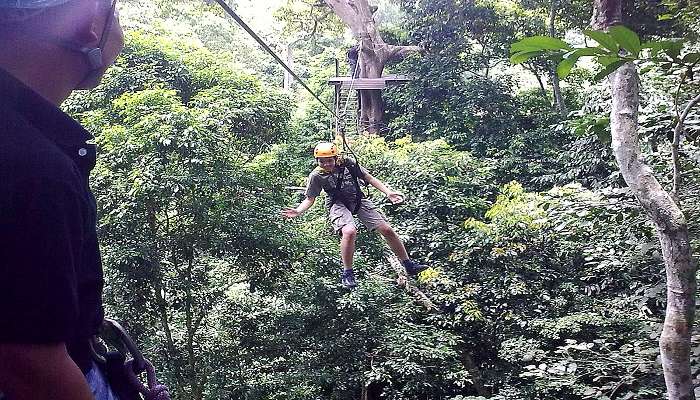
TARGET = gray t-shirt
(320,179)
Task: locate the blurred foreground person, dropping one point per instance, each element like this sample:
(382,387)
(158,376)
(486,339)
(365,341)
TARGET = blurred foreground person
(50,268)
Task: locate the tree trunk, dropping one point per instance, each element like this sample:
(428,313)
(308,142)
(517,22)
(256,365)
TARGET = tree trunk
(371,65)
(543,91)
(559,103)
(556,87)
(170,357)
(192,370)
(373,55)
(666,215)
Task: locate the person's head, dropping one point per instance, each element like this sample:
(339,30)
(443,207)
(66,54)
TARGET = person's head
(326,154)
(71,43)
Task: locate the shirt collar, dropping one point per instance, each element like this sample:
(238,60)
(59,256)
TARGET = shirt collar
(42,114)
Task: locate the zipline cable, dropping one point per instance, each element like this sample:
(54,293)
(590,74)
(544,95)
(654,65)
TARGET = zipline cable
(284,65)
(267,48)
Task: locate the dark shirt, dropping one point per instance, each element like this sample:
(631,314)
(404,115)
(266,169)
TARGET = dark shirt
(328,181)
(50,269)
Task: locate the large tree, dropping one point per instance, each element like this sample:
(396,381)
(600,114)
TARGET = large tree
(662,209)
(374,53)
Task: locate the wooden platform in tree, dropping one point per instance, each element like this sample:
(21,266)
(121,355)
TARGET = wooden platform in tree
(345,82)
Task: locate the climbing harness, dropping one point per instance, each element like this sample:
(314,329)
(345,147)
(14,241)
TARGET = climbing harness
(123,374)
(337,195)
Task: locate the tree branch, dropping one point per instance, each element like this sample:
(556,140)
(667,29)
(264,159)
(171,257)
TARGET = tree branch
(677,132)
(396,52)
(402,281)
(345,12)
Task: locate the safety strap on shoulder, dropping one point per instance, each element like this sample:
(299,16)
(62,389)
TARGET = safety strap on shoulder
(356,173)
(338,194)
(340,178)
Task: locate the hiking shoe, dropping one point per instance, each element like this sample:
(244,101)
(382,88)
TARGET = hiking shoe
(413,268)
(347,278)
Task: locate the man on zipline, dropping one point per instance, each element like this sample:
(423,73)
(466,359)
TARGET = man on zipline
(339,179)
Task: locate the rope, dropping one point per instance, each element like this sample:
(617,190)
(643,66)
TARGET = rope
(338,130)
(267,48)
(352,83)
(345,109)
(154,390)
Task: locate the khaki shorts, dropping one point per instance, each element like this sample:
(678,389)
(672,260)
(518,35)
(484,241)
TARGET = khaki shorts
(368,214)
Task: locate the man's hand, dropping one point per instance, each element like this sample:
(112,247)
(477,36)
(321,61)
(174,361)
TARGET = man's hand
(395,197)
(291,212)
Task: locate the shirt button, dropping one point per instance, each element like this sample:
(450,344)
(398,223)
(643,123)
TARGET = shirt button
(82,152)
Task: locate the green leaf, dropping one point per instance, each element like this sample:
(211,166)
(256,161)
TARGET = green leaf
(646,69)
(535,43)
(655,48)
(609,69)
(588,51)
(521,57)
(604,137)
(627,39)
(604,39)
(665,17)
(607,60)
(691,58)
(569,59)
(672,48)
(564,67)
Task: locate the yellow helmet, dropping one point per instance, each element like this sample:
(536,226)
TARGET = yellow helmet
(325,149)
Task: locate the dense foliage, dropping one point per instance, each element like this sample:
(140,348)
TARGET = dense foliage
(546,276)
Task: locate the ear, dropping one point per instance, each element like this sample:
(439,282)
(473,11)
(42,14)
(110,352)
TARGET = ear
(83,25)
(86,34)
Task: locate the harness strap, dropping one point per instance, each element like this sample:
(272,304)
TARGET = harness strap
(338,194)
(355,173)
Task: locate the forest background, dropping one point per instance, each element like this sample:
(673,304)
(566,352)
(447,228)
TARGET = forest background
(547,275)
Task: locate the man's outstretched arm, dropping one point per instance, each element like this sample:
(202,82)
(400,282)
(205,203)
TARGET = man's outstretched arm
(394,196)
(300,209)
(41,372)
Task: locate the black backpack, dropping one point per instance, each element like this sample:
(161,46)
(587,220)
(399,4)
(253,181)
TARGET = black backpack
(335,193)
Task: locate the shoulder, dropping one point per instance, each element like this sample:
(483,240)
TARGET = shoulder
(23,144)
(355,167)
(315,174)
(319,174)
(27,155)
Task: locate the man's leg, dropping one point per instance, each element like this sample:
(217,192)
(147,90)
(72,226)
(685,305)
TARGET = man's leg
(374,220)
(344,225)
(393,240)
(347,245)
